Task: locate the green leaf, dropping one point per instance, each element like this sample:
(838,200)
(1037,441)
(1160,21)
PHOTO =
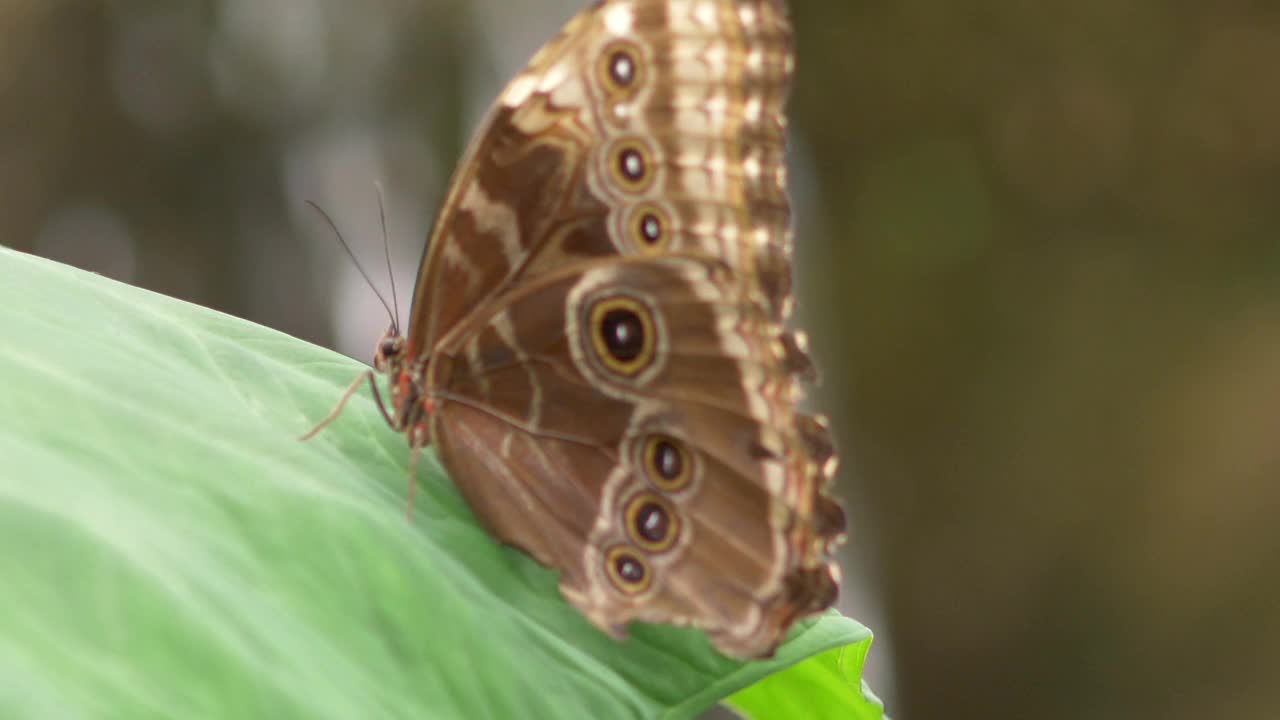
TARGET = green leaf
(169,549)
(827,685)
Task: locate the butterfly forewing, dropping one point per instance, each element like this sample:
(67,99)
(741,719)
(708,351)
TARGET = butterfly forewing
(646,126)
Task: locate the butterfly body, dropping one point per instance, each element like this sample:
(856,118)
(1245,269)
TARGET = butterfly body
(597,347)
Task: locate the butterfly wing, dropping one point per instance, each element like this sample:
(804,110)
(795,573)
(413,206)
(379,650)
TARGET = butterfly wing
(629,187)
(631,422)
(645,127)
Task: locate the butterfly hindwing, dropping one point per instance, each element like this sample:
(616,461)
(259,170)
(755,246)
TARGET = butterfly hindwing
(649,466)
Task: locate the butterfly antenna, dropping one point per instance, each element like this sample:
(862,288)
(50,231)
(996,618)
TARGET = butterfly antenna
(334,227)
(386,253)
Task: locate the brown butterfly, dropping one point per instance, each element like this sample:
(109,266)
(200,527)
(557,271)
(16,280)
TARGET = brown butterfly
(597,347)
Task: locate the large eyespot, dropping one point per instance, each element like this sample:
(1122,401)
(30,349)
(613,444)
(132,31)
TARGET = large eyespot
(623,335)
(651,522)
(628,571)
(649,227)
(631,165)
(667,463)
(619,68)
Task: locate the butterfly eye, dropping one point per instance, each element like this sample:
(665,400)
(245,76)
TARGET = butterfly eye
(389,347)
(619,68)
(623,334)
(628,571)
(667,463)
(631,165)
(648,226)
(651,522)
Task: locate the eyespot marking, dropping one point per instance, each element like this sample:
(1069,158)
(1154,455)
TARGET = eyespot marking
(623,334)
(652,522)
(631,165)
(620,69)
(667,463)
(648,227)
(627,570)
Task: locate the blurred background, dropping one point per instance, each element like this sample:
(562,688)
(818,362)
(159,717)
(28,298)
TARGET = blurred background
(1039,257)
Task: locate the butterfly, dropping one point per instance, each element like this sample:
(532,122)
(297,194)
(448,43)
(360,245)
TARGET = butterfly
(598,347)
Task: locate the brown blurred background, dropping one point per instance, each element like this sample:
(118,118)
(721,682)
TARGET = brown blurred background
(1039,249)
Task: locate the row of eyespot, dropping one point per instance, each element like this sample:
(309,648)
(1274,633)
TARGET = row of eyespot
(622,75)
(651,522)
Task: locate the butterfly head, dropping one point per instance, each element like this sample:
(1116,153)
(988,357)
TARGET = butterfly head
(410,407)
(388,356)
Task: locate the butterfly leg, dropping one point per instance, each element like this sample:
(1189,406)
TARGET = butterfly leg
(419,437)
(377,400)
(413,482)
(342,402)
